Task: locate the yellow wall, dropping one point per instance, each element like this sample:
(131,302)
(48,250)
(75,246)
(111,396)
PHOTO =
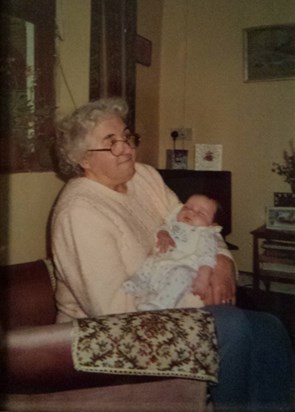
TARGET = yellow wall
(73,19)
(202,87)
(30,197)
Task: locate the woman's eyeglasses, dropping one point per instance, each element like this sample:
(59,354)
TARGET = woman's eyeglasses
(118,146)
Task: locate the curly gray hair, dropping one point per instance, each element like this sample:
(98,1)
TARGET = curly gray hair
(72,135)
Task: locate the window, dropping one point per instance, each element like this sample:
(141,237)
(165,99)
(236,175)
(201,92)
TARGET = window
(27,84)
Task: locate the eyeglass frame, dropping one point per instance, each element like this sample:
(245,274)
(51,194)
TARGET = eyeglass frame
(126,140)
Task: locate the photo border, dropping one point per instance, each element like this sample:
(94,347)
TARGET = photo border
(273,221)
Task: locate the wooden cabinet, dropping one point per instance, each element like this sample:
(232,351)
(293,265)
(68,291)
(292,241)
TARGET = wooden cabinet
(273,256)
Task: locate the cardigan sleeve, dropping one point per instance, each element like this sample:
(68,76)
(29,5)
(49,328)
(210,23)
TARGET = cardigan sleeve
(86,250)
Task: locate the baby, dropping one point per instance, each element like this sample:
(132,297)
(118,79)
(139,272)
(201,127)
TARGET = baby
(166,276)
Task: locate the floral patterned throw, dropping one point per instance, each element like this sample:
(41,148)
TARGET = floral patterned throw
(173,343)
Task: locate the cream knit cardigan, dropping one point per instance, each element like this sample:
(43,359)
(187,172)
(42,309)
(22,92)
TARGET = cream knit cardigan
(100,237)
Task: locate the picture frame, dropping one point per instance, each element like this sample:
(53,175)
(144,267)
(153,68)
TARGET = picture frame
(143,51)
(176,158)
(280,218)
(208,156)
(269,53)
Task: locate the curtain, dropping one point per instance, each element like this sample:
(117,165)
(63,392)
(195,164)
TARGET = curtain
(112,51)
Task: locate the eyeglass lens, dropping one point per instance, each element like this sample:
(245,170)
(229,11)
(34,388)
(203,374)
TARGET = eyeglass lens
(117,147)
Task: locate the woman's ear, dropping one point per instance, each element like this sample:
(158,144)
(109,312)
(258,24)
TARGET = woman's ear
(84,163)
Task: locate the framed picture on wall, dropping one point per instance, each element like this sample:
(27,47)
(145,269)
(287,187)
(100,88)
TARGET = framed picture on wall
(269,53)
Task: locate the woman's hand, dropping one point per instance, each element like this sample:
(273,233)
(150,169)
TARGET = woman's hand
(164,242)
(222,283)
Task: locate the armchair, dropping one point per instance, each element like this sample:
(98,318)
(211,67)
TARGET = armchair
(37,361)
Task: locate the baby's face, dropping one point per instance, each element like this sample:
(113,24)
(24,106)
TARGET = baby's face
(199,210)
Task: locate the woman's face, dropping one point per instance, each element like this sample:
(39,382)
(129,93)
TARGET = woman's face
(103,167)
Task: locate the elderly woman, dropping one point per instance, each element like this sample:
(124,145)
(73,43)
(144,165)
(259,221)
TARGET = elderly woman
(103,229)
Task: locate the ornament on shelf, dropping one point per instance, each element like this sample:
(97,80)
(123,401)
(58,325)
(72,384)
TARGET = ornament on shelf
(287,168)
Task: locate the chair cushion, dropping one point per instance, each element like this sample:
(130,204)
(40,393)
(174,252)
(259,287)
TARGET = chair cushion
(174,343)
(26,295)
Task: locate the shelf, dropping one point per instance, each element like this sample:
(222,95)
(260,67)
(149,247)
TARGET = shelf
(272,275)
(263,233)
(278,266)
(273,256)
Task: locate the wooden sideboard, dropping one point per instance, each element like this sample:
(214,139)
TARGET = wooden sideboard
(273,254)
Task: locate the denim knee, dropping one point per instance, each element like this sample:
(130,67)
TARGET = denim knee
(256,358)
(232,325)
(234,348)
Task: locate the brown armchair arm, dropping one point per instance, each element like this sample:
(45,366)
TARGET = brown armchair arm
(39,360)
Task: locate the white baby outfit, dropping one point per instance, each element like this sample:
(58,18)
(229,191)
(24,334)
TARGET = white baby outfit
(164,278)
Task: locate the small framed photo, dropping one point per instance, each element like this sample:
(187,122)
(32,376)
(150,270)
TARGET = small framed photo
(208,156)
(280,218)
(269,53)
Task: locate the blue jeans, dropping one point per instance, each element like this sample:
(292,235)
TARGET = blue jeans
(256,372)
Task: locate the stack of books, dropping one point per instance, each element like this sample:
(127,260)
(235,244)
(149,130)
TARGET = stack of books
(278,256)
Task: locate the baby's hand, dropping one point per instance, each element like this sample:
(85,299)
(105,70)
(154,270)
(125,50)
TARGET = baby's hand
(164,241)
(208,297)
(206,294)
(201,283)
(199,288)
